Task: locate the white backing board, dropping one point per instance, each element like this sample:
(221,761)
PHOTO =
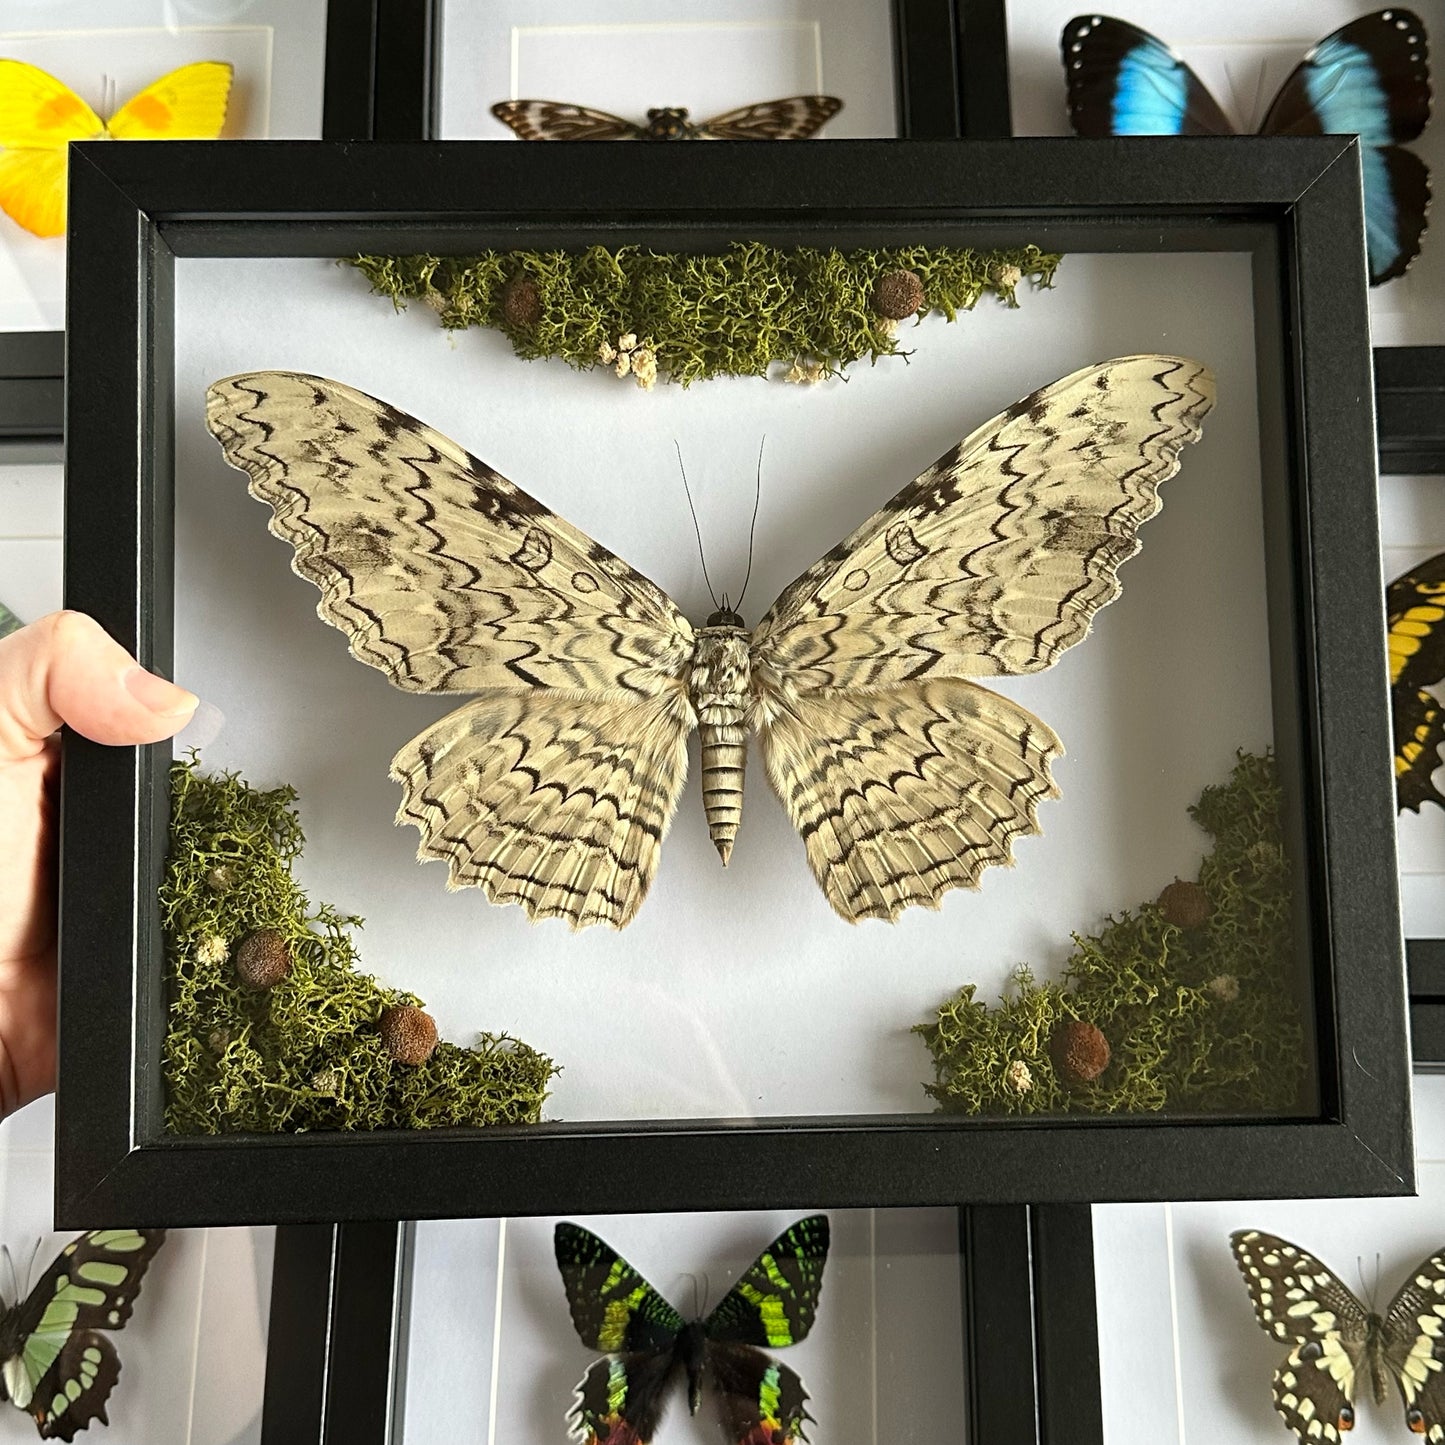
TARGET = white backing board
(735,992)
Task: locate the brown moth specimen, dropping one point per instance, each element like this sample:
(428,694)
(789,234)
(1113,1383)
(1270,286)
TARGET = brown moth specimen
(795,117)
(554,784)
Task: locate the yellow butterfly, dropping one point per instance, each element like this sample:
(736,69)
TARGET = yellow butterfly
(40,116)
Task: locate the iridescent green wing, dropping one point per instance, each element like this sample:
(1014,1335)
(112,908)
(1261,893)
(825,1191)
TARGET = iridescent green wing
(52,1364)
(613,1307)
(775,1300)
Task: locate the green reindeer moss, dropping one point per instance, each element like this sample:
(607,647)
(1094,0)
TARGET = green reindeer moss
(305,1053)
(691,317)
(1196,993)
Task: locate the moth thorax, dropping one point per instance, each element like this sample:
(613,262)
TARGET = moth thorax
(667,123)
(718,687)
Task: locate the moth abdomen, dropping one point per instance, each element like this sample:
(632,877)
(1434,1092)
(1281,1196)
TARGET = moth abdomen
(718,686)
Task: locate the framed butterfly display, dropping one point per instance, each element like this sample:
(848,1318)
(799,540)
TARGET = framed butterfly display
(1339,1348)
(512,545)
(621,1398)
(57,1362)
(1415,616)
(794,117)
(1370,78)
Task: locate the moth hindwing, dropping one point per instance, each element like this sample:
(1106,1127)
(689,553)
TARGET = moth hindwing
(554,783)
(1338,1344)
(54,1364)
(621,1398)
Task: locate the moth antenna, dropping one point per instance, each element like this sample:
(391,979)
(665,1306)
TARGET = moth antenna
(753,525)
(696,526)
(29,1269)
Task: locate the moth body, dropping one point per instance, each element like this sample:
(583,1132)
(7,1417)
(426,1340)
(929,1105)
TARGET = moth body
(691,1353)
(718,688)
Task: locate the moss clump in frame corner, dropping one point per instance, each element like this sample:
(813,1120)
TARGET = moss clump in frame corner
(693,317)
(1194,993)
(307,1053)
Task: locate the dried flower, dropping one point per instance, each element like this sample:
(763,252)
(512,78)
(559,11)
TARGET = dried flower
(327,1082)
(219,1040)
(606,353)
(521,301)
(221,878)
(409,1034)
(1185,905)
(627,341)
(644,367)
(1224,986)
(886,326)
(212,949)
(263,959)
(1019,1076)
(624,364)
(897,295)
(1006,277)
(1079,1050)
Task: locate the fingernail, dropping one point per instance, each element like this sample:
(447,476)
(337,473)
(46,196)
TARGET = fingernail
(157,695)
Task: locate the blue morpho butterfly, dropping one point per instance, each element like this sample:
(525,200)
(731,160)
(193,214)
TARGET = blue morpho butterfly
(1371,78)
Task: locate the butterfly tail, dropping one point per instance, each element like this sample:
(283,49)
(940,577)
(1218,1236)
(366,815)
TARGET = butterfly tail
(74,1389)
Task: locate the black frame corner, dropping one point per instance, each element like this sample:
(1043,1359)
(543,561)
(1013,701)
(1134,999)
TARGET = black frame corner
(32,363)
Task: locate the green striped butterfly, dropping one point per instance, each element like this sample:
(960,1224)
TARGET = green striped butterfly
(621,1398)
(52,1363)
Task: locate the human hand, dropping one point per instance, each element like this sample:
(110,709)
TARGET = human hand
(62,669)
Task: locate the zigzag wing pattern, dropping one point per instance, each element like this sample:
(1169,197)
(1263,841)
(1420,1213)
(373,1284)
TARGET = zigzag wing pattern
(996,559)
(901,794)
(441,572)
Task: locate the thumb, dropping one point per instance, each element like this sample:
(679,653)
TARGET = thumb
(67,669)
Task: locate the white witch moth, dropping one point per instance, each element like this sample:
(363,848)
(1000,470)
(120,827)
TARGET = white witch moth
(553,785)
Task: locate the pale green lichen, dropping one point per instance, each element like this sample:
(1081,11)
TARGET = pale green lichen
(738,313)
(306,1054)
(1202,1019)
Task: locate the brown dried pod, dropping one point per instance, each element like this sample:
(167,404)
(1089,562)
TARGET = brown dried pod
(1185,905)
(408,1033)
(1079,1050)
(521,300)
(263,959)
(897,295)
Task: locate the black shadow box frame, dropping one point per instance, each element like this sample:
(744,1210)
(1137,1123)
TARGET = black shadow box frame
(1292,204)
(335,1368)
(32,370)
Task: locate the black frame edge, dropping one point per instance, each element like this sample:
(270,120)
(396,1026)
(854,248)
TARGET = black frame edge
(334,1335)
(1410,409)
